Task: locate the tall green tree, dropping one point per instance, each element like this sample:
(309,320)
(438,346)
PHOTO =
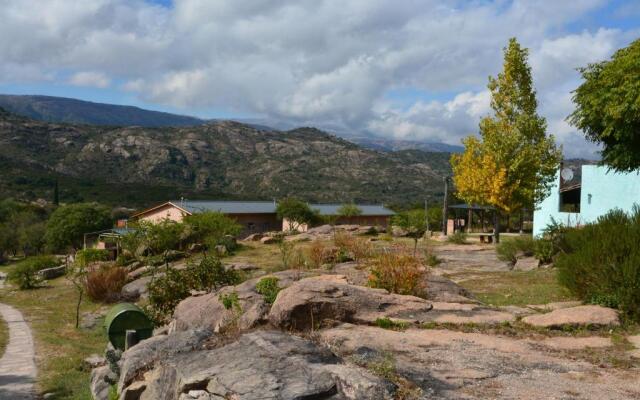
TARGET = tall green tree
(608,107)
(68,224)
(514,163)
(297,212)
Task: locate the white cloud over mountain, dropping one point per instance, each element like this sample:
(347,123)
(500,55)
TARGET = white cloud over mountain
(315,62)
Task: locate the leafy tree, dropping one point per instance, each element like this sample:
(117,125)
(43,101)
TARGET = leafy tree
(297,212)
(414,222)
(349,210)
(68,224)
(162,237)
(514,163)
(210,227)
(608,107)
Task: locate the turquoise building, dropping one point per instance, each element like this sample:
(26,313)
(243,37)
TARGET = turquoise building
(582,193)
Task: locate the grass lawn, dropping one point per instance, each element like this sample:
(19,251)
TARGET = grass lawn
(4,335)
(60,347)
(514,287)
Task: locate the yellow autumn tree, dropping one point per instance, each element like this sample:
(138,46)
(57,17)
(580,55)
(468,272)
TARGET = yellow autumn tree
(514,162)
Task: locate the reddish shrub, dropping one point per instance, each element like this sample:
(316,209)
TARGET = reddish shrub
(398,273)
(104,283)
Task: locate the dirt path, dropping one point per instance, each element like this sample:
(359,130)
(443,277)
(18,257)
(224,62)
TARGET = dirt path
(17,365)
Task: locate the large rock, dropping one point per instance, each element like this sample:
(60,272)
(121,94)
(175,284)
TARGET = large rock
(262,365)
(52,273)
(575,316)
(145,354)
(208,312)
(101,379)
(311,301)
(137,288)
(526,264)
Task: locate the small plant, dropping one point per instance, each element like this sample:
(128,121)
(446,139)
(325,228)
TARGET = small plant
(430,258)
(398,273)
(268,288)
(25,274)
(352,247)
(230,300)
(387,323)
(317,254)
(509,250)
(457,238)
(544,251)
(105,282)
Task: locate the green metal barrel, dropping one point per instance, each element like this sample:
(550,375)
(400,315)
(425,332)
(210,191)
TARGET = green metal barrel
(123,317)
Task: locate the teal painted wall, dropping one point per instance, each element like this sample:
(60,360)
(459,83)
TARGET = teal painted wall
(602,190)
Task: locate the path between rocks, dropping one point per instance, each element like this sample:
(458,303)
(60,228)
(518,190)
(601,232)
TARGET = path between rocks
(17,365)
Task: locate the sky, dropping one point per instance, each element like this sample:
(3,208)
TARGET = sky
(403,69)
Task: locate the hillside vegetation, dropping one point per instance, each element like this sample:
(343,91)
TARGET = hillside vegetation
(137,165)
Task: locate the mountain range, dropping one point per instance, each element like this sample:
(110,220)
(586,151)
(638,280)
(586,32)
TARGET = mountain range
(67,110)
(138,165)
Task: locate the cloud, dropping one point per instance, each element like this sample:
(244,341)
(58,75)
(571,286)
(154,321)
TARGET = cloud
(327,63)
(90,79)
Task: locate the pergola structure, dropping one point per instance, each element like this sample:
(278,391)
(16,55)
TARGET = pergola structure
(470,209)
(108,239)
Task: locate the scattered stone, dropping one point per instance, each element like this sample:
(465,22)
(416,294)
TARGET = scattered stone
(321,230)
(138,272)
(137,289)
(91,320)
(269,240)
(254,237)
(242,267)
(526,264)
(576,343)
(576,316)
(309,302)
(52,273)
(94,361)
(554,306)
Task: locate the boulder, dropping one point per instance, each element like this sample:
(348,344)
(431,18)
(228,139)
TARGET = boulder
(90,320)
(208,312)
(94,361)
(526,264)
(137,288)
(244,267)
(398,232)
(52,273)
(100,382)
(145,354)
(589,315)
(269,240)
(309,302)
(320,230)
(254,237)
(267,365)
(138,272)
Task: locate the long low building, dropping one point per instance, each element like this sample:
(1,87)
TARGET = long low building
(259,216)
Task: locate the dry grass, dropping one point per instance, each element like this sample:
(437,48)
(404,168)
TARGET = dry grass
(4,335)
(60,348)
(105,283)
(399,273)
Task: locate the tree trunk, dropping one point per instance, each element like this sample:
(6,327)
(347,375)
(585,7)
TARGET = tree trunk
(78,308)
(496,226)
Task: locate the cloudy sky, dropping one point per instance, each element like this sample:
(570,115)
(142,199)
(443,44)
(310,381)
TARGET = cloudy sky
(409,69)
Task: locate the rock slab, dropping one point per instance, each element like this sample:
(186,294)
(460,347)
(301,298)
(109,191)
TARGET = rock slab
(575,316)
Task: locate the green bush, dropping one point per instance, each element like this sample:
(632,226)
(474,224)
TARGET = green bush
(600,262)
(457,238)
(87,256)
(165,292)
(268,287)
(509,249)
(25,274)
(544,250)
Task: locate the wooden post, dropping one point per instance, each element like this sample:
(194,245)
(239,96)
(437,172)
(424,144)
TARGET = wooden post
(496,226)
(482,220)
(131,339)
(445,206)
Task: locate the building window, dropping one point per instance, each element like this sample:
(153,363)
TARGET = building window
(570,200)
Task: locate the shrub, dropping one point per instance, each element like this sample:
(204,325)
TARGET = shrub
(167,291)
(88,256)
(25,274)
(230,300)
(509,250)
(268,288)
(600,262)
(398,273)
(457,238)
(318,254)
(210,274)
(356,247)
(105,282)
(544,250)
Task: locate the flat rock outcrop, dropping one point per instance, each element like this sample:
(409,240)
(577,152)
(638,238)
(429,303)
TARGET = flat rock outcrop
(588,315)
(309,302)
(260,365)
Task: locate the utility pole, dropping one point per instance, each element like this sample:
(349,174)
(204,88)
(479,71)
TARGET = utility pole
(445,207)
